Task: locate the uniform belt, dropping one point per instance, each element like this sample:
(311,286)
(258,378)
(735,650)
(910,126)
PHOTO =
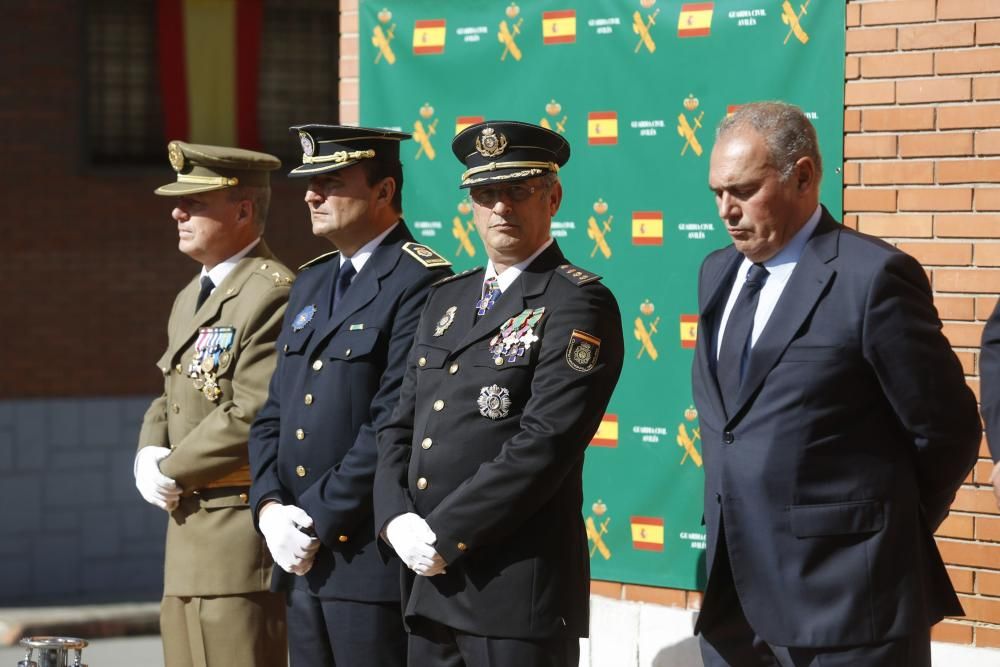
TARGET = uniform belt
(239,477)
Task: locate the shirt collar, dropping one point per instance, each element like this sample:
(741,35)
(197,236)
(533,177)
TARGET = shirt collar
(223,269)
(510,274)
(361,257)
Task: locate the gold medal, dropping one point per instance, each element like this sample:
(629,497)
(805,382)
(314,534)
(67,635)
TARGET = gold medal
(207,364)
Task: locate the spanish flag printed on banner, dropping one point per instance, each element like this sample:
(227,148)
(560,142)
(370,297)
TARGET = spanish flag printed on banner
(559,27)
(607,432)
(463,122)
(647,228)
(647,533)
(428,37)
(689,331)
(695,20)
(602,128)
(209,56)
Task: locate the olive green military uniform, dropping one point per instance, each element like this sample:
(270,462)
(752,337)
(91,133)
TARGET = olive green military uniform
(217,609)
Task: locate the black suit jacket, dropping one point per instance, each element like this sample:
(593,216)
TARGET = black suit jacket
(989,383)
(502,495)
(854,428)
(337,380)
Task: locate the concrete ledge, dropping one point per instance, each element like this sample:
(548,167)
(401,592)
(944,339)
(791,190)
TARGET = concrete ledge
(85,621)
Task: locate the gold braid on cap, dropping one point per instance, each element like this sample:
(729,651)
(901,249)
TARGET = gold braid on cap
(493,166)
(208,180)
(338,157)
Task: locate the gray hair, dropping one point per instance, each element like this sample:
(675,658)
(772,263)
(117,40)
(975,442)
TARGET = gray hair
(259,195)
(785,129)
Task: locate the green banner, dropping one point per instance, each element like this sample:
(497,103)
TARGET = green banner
(637,87)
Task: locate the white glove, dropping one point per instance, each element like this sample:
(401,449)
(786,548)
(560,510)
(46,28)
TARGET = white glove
(292,550)
(155,487)
(413,541)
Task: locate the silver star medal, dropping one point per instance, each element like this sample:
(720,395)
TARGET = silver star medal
(494,402)
(445,321)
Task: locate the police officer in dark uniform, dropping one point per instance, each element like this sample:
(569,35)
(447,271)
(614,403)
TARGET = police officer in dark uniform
(479,480)
(341,357)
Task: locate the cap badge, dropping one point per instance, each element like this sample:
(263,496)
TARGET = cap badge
(308,145)
(176,156)
(494,402)
(490,144)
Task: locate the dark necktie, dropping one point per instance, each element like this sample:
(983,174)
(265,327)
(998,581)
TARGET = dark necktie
(344,278)
(491,292)
(736,338)
(206,289)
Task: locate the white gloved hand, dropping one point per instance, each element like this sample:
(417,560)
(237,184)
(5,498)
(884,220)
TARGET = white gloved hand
(413,541)
(292,550)
(155,487)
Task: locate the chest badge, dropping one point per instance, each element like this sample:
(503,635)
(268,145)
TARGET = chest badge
(516,336)
(304,317)
(494,402)
(445,321)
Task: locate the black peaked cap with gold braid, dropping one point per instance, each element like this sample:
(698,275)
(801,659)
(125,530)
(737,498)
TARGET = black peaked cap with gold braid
(203,168)
(506,151)
(330,147)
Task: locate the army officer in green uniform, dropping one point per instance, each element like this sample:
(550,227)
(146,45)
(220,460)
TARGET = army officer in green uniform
(192,460)
(479,481)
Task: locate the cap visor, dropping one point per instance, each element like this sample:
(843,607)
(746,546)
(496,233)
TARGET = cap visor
(176,189)
(321,168)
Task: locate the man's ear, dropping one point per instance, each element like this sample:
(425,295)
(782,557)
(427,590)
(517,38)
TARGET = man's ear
(555,197)
(386,190)
(805,174)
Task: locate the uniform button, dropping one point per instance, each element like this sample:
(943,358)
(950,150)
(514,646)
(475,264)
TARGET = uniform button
(178,368)
(462,546)
(498,361)
(300,434)
(347,352)
(438,405)
(422,361)
(285,348)
(728,438)
(343,538)
(426,443)
(176,408)
(422,483)
(308,399)
(300,471)
(244,497)
(263,266)
(453,368)
(318,364)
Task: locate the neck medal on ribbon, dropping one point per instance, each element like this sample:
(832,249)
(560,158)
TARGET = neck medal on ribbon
(516,336)
(211,350)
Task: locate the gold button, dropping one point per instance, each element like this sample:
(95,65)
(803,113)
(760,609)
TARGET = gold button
(438,405)
(343,538)
(422,361)
(176,408)
(426,443)
(178,368)
(308,399)
(286,347)
(498,361)
(263,266)
(244,497)
(422,483)
(462,546)
(453,368)
(300,471)
(300,434)
(318,364)
(347,352)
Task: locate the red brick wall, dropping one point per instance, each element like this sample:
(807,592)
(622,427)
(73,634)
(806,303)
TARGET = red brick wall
(922,170)
(90,260)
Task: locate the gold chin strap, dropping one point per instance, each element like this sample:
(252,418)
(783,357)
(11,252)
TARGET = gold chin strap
(493,166)
(207,180)
(338,157)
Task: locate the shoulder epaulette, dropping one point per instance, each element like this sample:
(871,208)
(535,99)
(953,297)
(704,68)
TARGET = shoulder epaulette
(275,272)
(424,255)
(448,279)
(317,260)
(576,275)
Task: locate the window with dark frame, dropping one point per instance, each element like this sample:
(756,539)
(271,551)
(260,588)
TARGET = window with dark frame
(298,77)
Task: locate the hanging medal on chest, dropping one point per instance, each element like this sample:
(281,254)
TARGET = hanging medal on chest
(516,336)
(212,349)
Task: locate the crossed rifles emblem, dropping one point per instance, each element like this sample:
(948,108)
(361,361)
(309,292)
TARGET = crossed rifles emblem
(645,337)
(506,36)
(380,40)
(641,28)
(423,137)
(794,21)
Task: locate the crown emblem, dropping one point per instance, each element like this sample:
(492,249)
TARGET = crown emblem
(490,144)
(427,110)
(690,102)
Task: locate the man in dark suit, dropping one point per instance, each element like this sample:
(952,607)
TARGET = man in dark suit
(989,396)
(478,487)
(341,357)
(835,418)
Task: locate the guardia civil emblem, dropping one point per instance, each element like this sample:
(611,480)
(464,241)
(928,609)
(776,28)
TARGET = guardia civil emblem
(494,402)
(445,321)
(490,144)
(303,318)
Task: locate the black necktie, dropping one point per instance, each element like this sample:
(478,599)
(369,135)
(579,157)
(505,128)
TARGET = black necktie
(206,289)
(344,277)
(729,368)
